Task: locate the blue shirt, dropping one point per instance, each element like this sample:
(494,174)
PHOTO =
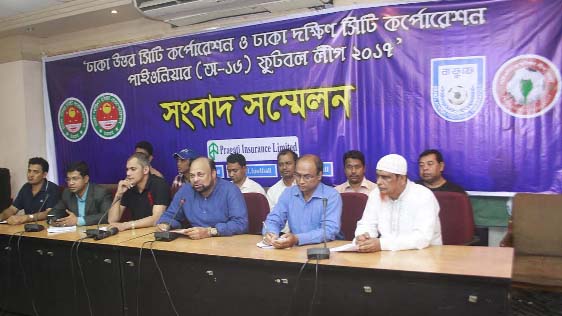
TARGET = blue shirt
(224,209)
(305,217)
(82,206)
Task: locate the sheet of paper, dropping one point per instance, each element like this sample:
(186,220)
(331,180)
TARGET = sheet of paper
(263,245)
(345,248)
(58,230)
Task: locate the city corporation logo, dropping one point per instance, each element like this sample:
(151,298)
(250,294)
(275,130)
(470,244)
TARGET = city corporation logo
(73,119)
(527,86)
(457,87)
(213,150)
(108,115)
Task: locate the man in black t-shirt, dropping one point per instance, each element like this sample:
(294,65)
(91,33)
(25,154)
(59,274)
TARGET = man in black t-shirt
(36,197)
(144,194)
(431,166)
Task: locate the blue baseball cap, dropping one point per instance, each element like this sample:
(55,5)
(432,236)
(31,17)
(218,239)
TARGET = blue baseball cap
(186,153)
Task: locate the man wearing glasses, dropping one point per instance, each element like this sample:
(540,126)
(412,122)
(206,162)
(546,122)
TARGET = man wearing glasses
(399,214)
(305,206)
(82,203)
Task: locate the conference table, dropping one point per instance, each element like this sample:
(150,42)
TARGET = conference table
(131,274)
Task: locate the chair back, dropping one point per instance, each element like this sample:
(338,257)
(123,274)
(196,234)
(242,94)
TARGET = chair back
(456,217)
(5,189)
(537,224)
(353,205)
(258,208)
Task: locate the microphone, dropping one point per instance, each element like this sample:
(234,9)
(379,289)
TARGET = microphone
(106,233)
(168,235)
(35,227)
(94,233)
(324,252)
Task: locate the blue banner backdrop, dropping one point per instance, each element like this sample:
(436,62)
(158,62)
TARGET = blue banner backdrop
(478,80)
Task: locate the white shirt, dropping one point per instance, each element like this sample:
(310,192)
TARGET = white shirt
(275,191)
(410,222)
(251,186)
(365,188)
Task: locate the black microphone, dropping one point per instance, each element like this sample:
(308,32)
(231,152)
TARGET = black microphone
(36,227)
(168,235)
(320,253)
(94,233)
(106,233)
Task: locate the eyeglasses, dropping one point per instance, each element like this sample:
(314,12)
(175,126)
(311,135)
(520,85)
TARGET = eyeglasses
(306,177)
(73,179)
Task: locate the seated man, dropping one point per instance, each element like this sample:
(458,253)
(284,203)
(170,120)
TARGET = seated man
(431,166)
(36,197)
(147,149)
(143,193)
(236,168)
(354,163)
(183,160)
(399,214)
(82,203)
(213,206)
(304,207)
(286,161)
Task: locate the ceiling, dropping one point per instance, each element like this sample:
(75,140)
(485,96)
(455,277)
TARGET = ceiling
(45,18)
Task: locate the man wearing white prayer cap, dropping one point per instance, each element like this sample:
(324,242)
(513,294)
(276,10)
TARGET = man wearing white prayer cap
(399,214)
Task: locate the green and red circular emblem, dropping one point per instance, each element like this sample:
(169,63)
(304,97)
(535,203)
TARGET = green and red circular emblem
(108,115)
(527,86)
(73,119)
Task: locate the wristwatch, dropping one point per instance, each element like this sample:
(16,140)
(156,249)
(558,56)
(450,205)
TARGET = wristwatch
(213,232)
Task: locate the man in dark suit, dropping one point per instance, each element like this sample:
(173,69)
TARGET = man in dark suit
(82,203)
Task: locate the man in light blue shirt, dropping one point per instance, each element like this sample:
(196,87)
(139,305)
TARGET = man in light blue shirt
(82,203)
(303,206)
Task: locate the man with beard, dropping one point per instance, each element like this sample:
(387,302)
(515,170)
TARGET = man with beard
(212,206)
(82,203)
(143,193)
(35,198)
(354,163)
(399,214)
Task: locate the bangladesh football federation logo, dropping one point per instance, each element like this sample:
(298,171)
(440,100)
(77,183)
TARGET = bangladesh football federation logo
(527,86)
(457,87)
(108,115)
(73,119)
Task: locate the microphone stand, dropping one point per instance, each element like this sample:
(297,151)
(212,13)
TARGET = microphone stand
(168,235)
(98,233)
(324,252)
(35,227)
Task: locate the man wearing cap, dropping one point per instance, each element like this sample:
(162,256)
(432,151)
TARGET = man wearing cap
(399,214)
(183,158)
